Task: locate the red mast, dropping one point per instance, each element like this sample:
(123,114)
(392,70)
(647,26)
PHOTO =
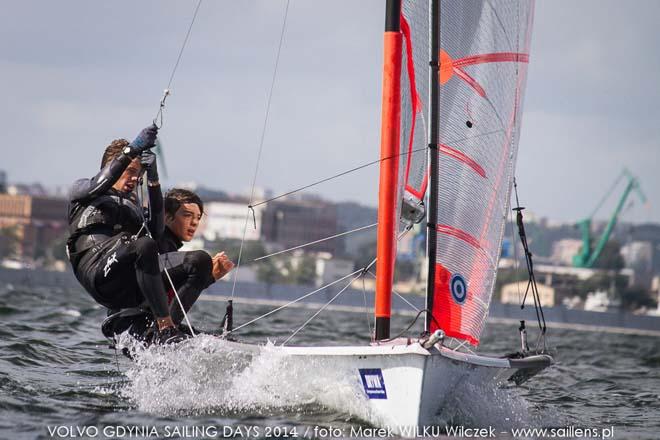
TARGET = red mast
(389,168)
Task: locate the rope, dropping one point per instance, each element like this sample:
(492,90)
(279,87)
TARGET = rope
(463,344)
(516,263)
(166,92)
(261,147)
(410,326)
(399,295)
(322,308)
(540,317)
(366,308)
(263,202)
(361,272)
(368,164)
(316,241)
(176,295)
(296,300)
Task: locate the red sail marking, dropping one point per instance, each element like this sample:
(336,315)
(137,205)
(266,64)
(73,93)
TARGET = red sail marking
(418,193)
(445,309)
(415,107)
(497,57)
(450,67)
(449,151)
(458,233)
(458,155)
(470,81)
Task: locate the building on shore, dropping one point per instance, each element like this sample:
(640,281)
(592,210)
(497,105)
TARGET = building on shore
(225,219)
(638,256)
(564,250)
(513,293)
(38,222)
(351,216)
(294,222)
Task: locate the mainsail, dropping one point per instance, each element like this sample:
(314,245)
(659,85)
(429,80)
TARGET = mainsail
(483,54)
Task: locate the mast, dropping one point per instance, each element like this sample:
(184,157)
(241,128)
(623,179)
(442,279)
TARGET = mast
(389,168)
(434,140)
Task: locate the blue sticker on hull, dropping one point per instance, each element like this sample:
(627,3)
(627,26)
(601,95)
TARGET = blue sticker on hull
(373,383)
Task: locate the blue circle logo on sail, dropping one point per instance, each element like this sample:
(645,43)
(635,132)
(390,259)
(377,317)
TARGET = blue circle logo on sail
(458,288)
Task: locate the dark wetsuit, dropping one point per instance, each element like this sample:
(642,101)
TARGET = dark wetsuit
(114,259)
(109,250)
(190,272)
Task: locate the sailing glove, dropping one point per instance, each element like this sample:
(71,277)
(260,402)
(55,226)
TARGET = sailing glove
(144,141)
(149,163)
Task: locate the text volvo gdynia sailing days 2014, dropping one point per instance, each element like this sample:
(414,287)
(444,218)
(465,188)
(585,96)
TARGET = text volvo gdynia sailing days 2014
(169,431)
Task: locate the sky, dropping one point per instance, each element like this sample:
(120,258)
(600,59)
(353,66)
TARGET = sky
(75,74)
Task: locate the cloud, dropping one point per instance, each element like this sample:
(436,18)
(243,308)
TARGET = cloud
(567,162)
(77,74)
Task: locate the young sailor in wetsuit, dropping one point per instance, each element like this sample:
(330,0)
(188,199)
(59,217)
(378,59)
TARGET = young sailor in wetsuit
(183,212)
(110,252)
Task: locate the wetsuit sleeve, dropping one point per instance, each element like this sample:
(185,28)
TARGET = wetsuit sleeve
(88,189)
(157,222)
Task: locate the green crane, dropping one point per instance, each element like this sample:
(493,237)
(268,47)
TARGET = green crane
(588,254)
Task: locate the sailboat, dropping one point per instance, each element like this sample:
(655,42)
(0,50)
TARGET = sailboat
(453,84)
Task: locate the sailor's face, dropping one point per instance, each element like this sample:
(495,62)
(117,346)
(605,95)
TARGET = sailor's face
(129,178)
(185,221)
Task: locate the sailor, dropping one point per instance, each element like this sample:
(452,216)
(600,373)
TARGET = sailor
(183,212)
(109,247)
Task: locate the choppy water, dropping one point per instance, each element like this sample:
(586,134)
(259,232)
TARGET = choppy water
(56,372)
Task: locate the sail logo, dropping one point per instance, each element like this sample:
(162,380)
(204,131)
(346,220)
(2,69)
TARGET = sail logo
(373,383)
(458,288)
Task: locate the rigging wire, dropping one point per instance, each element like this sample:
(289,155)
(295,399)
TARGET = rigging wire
(261,147)
(368,164)
(362,270)
(399,295)
(295,300)
(531,284)
(263,202)
(362,228)
(166,92)
(361,274)
(428,313)
(516,263)
(463,344)
(366,309)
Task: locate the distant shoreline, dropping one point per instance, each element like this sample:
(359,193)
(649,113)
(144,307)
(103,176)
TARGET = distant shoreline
(491,319)
(354,301)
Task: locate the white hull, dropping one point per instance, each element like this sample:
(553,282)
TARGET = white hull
(403,386)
